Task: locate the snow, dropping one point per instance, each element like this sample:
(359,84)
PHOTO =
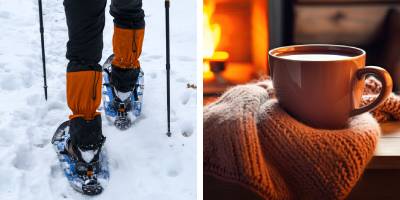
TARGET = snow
(144,162)
(88,156)
(121,95)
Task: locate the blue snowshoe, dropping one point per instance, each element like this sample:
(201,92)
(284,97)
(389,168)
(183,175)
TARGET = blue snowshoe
(122,109)
(87,178)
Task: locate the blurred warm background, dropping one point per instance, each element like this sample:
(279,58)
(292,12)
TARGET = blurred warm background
(239,33)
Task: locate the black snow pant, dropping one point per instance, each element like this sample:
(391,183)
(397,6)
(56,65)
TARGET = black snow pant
(85,20)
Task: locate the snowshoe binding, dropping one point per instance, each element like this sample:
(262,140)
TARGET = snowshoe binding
(122,108)
(86,177)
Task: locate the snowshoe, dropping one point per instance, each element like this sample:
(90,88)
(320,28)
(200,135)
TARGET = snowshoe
(87,178)
(122,113)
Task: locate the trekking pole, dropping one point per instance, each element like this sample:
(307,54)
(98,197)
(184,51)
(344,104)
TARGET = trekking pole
(43,53)
(167,64)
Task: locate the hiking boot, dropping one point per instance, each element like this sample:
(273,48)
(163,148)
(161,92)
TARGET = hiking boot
(85,144)
(124,72)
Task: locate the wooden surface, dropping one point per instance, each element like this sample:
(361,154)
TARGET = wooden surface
(389,144)
(387,154)
(381,179)
(376,185)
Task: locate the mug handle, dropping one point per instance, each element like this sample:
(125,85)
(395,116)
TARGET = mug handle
(384,77)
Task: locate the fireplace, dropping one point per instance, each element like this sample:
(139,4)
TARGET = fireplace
(235,43)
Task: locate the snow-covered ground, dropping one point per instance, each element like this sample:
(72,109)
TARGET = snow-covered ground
(144,162)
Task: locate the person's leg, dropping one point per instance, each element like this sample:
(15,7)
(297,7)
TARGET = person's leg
(127,43)
(128,13)
(85,21)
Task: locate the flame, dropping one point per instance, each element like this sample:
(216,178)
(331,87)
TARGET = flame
(212,37)
(211,31)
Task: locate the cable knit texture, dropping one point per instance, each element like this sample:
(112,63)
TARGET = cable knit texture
(251,141)
(389,110)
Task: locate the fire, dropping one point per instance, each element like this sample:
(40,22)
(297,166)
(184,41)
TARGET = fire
(212,37)
(211,31)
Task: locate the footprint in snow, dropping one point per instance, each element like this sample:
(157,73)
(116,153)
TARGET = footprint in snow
(174,167)
(23,159)
(55,171)
(173,173)
(186,128)
(4,15)
(10,82)
(153,75)
(185,97)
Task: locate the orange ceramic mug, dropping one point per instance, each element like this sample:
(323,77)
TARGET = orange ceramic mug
(321,85)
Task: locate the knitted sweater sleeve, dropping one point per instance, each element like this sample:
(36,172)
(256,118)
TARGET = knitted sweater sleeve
(316,163)
(389,109)
(231,149)
(251,141)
